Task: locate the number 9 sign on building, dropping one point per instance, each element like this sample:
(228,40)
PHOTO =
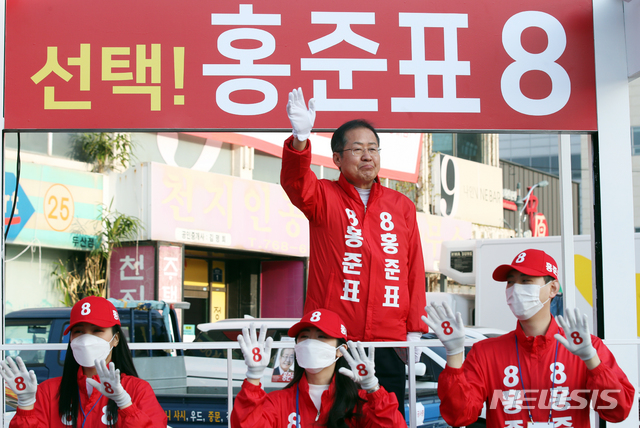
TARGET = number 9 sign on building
(455,65)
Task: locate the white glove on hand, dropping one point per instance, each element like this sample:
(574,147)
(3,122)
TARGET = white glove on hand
(257,351)
(22,382)
(448,328)
(301,119)
(109,384)
(415,336)
(578,340)
(362,367)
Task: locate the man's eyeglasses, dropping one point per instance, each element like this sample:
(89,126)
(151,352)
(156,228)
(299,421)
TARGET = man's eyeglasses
(287,357)
(373,151)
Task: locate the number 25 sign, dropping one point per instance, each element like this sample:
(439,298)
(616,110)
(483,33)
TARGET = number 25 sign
(58,207)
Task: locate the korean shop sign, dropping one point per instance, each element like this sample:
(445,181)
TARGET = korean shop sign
(203,65)
(213,210)
(56,207)
(133,273)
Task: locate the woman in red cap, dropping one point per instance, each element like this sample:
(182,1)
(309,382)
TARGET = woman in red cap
(316,396)
(99,384)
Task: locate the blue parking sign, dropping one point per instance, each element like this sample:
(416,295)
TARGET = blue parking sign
(24,209)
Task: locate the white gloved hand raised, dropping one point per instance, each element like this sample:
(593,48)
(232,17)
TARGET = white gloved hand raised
(415,336)
(448,328)
(109,384)
(362,367)
(301,119)
(578,340)
(22,382)
(257,351)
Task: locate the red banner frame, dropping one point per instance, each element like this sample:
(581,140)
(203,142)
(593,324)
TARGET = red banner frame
(200,65)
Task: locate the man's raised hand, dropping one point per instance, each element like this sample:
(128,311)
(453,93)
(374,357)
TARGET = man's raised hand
(301,118)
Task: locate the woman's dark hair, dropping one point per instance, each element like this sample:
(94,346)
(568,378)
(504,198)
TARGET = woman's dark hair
(69,395)
(347,404)
(339,137)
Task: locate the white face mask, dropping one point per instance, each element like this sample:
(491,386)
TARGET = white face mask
(314,355)
(87,348)
(524,300)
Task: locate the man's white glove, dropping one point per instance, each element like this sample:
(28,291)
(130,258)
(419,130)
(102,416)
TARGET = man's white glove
(362,367)
(448,328)
(578,340)
(415,336)
(301,118)
(257,351)
(109,384)
(22,382)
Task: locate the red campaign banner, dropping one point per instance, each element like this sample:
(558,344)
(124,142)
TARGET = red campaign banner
(204,65)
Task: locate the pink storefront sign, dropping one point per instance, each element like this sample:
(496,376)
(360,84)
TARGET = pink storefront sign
(132,273)
(170,273)
(214,210)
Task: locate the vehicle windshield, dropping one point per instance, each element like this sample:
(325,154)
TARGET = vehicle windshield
(228,335)
(30,333)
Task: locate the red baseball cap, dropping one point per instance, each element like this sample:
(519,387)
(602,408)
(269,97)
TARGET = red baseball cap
(323,319)
(529,262)
(94,310)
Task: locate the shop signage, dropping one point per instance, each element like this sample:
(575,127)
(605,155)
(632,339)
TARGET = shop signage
(56,207)
(133,273)
(468,190)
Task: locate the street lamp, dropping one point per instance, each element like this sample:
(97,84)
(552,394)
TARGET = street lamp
(522,202)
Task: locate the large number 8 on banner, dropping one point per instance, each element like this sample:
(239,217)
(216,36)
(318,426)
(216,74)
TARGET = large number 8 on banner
(544,61)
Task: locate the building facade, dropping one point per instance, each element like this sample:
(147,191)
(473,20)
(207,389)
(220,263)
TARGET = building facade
(218,230)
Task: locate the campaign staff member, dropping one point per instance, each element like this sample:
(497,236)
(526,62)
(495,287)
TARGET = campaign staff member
(324,391)
(365,259)
(543,372)
(99,384)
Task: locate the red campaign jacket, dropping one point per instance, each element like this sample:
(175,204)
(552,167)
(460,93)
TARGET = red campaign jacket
(381,244)
(490,371)
(255,408)
(144,412)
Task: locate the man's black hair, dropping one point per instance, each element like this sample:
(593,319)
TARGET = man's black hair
(339,139)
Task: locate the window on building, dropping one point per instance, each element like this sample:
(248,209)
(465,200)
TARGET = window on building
(146,148)
(266,167)
(539,151)
(469,146)
(38,142)
(326,172)
(443,143)
(635,140)
(464,146)
(410,190)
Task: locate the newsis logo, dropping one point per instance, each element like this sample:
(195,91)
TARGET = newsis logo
(514,401)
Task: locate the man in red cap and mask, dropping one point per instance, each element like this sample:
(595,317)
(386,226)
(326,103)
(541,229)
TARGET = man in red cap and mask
(525,377)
